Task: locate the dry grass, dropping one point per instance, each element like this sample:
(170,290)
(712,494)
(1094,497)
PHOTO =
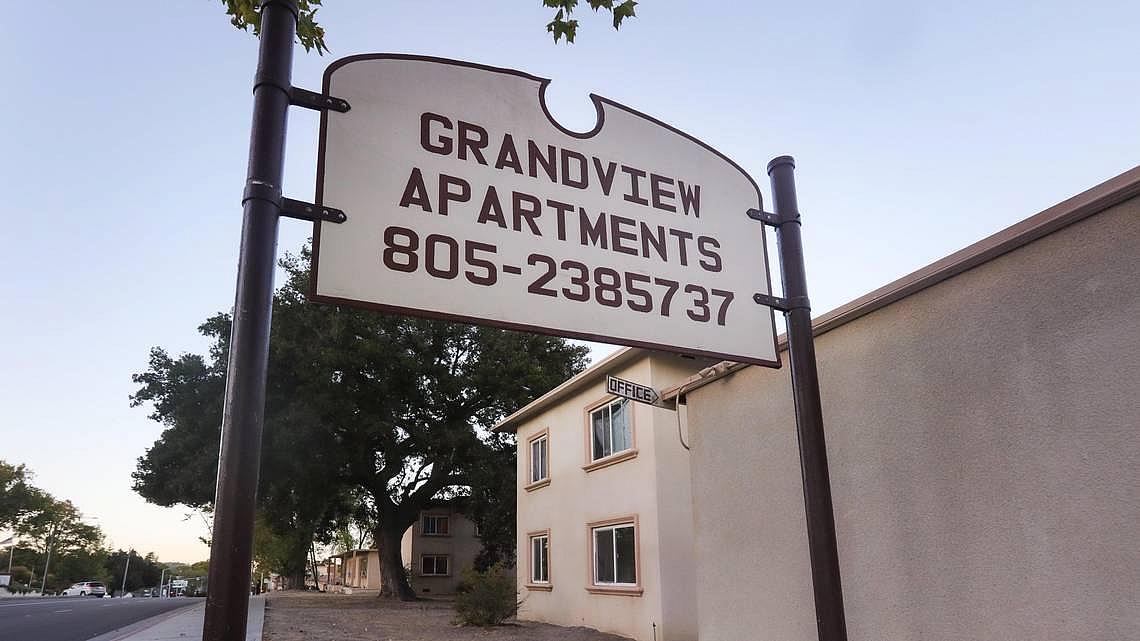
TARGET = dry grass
(305,616)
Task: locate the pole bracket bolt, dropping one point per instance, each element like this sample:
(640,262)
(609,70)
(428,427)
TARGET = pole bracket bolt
(299,97)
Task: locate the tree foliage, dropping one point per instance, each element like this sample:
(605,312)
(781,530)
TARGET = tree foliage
(368,416)
(142,571)
(564,26)
(19,499)
(244,14)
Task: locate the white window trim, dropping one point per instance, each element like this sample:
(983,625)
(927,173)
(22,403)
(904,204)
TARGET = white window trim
(532,582)
(423,522)
(624,589)
(446,557)
(531,486)
(613,457)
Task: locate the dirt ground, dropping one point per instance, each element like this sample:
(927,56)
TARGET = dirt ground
(308,616)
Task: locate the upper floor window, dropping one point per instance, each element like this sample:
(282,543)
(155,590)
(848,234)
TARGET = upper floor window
(538,462)
(434,525)
(610,431)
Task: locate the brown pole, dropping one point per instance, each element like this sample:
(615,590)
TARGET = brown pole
(822,548)
(239,460)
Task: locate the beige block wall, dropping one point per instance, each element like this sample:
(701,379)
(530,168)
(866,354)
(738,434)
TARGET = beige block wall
(574,498)
(985,459)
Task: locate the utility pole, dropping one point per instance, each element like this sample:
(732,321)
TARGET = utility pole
(123,590)
(47,562)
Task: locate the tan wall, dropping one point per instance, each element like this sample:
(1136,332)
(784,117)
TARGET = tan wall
(574,498)
(674,509)
(985,459)
(352,566)
(461,546)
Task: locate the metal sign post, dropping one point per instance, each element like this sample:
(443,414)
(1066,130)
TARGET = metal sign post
(820,514)
(239,459)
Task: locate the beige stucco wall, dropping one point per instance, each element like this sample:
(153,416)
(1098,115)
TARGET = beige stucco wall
(461,545)
(575,497)
(985,459)
(352,566)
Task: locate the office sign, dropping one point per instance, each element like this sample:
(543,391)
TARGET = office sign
(467,201)
(632,391)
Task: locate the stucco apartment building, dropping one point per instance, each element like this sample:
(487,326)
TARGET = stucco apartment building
(437,548)
(605,525)
(982,418)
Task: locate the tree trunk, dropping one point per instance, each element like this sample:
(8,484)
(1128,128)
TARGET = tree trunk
(394,582)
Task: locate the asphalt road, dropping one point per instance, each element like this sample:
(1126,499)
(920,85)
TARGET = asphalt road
(76,618)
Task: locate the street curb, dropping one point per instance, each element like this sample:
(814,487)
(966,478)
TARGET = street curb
(128,631)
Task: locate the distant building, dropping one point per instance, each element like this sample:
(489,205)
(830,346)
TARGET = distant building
(605,525)
(436,549)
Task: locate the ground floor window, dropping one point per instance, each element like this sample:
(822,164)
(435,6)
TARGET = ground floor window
(540,558)
(615,554)
(433,565)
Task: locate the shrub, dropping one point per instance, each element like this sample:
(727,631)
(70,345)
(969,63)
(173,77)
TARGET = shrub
(486,598)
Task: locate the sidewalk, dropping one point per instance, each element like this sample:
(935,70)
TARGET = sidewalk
(184,624)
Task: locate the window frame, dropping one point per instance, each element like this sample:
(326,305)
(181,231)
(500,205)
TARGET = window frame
(621,589)
(531,583)
(427,515)
(592,463)
(446,559)
(543,434)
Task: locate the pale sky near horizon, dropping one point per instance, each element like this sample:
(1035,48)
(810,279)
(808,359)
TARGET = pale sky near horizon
(918,129)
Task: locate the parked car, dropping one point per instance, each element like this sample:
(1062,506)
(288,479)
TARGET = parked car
(86,588)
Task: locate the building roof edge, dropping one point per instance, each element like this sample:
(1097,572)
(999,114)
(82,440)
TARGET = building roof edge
(1065,213)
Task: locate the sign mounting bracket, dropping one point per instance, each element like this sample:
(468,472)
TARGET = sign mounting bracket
(299,97)
(771,219)
(783,304)
(307,211)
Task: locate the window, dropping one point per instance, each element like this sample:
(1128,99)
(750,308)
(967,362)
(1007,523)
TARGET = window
(614,551)
(433,565)
(434,525)
(610,430)
(363,563)
(540,557)
(538,459)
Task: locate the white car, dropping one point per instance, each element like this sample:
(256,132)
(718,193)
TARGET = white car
(86,588)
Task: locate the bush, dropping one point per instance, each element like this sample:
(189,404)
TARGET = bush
(486,598)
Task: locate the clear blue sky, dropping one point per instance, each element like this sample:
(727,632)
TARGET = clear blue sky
(917,130)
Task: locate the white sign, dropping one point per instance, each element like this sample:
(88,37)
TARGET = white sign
(467,201)
(179,583)
(632,391)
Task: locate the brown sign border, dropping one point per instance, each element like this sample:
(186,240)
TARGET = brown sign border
(599,103)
